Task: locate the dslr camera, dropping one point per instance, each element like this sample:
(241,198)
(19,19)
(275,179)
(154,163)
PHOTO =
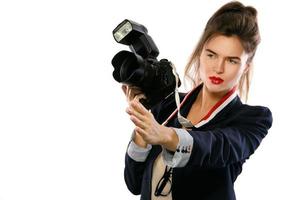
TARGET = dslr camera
(140,67)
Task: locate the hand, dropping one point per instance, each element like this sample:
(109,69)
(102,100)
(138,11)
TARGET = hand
(149,129)
(132,92)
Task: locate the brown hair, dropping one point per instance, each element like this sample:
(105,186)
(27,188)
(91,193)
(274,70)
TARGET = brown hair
(232,19)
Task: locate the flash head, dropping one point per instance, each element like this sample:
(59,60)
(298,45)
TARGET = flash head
(127,27)
(122,31)
(136,37)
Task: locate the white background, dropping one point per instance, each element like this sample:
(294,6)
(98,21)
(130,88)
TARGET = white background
(63,126)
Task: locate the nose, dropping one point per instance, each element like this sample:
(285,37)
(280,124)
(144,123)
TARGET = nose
(220,66)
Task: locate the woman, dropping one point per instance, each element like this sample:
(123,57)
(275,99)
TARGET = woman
(201,159)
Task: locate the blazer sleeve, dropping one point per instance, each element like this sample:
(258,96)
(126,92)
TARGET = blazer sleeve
(222,146)
(133,174)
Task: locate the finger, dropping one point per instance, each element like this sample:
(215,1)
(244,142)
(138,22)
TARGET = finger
(131,93)
(131,111)
(137,122)
(135,88)
(142,133)
(134,91)
(124,88)
(136,105)
(140,96)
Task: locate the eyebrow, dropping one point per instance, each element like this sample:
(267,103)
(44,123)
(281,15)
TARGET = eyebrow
(231,57)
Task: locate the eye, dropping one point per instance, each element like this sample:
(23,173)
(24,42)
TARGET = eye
(210,55)
(233,61)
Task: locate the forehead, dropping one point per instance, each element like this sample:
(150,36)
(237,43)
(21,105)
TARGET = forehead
(225,45)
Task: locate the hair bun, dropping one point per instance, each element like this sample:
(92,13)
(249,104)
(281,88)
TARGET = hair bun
(251,10)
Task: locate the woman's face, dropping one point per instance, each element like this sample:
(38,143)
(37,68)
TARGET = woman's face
(222,61)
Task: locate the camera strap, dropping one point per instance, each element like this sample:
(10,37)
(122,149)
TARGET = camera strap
(182,120)
(216,108)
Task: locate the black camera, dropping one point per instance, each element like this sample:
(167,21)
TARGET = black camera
(140,67)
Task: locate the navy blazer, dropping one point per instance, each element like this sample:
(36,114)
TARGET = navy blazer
(220,148)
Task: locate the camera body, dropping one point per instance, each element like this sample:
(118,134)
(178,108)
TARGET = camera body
(140,67)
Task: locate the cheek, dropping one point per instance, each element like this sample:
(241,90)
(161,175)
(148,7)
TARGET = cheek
(204,69)
(234,74)
(202,72)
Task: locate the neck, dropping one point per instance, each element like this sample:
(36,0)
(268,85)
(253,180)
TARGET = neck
(207,99)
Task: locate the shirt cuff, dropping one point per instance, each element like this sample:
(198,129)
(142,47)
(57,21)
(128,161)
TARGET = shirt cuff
(138,153)
(183,151)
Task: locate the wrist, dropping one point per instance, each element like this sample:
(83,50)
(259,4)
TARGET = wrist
(138,140)
(170,140)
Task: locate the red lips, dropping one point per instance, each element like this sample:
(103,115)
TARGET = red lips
(216,80)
